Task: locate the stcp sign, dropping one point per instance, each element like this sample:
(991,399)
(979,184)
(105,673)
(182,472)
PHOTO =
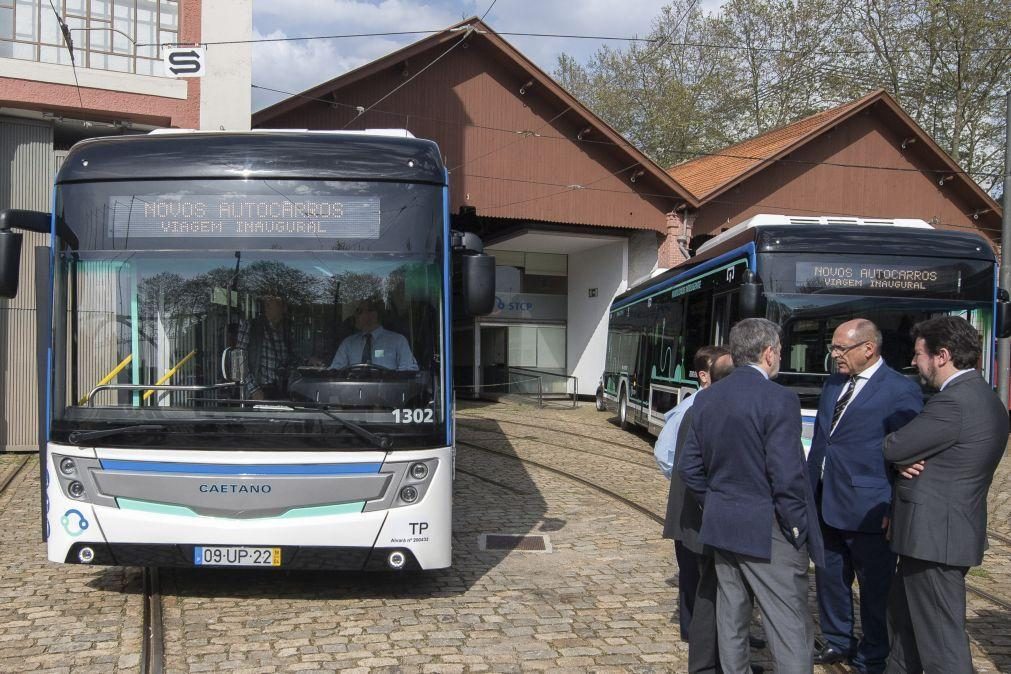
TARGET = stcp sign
(184,61)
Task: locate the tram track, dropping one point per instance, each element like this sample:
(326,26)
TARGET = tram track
(152,655)
(655,517)
(11,475)
(595,438)
(997,600)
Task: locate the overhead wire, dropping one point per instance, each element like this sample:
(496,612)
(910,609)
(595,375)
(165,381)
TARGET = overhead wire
(65,30)
(628,146)
(609,38)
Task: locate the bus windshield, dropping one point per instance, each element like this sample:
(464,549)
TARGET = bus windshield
(250,314)
(809,320)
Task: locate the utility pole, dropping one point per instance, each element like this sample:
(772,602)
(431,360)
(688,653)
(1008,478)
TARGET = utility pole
(1004,345)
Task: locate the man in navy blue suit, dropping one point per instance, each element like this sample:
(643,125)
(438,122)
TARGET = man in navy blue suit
(744,462)
(861,404)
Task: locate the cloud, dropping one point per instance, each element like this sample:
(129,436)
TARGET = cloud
(296,66)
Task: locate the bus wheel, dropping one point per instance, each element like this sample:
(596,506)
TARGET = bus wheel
(601,405)
(623,411)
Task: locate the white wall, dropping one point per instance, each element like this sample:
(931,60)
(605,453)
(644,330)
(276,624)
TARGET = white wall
(606,269)
(225,93)
(643,254)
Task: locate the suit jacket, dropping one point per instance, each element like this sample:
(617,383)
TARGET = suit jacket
(743,460)
(940,515)
(684,515)
(857,482)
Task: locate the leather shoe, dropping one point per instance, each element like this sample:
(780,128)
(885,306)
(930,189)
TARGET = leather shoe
(829,656)
(756,643)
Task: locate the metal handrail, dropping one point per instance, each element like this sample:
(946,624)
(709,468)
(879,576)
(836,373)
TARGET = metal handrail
(155,387)
(543,373)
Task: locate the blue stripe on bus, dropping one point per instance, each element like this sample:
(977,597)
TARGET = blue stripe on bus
(241,469)
(447,319)
(748,248)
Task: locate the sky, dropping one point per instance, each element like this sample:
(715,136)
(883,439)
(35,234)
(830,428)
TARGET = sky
(296,66)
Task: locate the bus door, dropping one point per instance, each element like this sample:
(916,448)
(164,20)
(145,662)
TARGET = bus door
(725,313)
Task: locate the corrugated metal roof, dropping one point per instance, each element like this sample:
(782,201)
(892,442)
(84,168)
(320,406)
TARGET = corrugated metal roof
(706,175)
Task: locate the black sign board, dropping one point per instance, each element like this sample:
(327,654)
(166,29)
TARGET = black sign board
(852,277)
(243,216)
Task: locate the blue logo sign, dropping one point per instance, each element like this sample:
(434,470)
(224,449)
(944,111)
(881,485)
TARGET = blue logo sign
(512,305)
(74,523)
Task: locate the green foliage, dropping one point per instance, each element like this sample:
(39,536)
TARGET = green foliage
(708,80)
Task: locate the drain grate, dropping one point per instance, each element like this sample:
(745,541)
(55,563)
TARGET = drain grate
(521,542)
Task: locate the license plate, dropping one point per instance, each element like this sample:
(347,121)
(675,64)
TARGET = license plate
(236,556)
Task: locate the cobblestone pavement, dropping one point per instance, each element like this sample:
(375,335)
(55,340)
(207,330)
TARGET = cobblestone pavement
(989,625)
(603,598)
(59,618)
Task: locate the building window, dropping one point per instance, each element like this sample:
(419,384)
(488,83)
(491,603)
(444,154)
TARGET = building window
(119,35)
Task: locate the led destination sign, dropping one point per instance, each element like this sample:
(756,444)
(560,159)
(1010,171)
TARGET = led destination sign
(855,277)
(244,216)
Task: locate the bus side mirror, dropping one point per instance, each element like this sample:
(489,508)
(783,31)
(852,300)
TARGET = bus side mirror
(1003,313)
(10,263)
(478,284)
(10,244)
(752,296)
(233,365)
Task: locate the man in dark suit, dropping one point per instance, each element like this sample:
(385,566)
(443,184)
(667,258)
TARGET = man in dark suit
(743,461)
(939,517)
(664,451)
(696,567)
(860,405)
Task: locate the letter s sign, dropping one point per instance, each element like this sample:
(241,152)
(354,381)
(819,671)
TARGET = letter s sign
(184,61)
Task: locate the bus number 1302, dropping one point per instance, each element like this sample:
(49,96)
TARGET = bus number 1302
(418,416)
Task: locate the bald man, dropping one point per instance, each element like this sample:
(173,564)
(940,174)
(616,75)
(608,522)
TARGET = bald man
(860,404)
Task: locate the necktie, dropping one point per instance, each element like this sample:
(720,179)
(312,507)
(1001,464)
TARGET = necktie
(367,349)
(840,404)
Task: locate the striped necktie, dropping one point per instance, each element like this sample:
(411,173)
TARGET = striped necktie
(840,404)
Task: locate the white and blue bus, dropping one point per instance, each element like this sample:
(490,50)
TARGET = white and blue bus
(192,303)
(808,275)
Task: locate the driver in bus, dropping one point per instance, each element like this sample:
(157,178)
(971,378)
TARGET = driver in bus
(373,344)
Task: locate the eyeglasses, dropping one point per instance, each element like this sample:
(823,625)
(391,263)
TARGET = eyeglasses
(840,350)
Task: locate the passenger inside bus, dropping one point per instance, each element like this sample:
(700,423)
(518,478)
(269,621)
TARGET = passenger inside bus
(372,344)
(265,346)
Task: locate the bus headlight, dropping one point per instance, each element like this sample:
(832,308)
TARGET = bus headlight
(419,471)
(75,489)
(67,466)
(408,494)
(86,555)
(396,560)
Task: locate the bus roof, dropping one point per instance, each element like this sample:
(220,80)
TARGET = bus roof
(764,219)
(276,155)
(832,239)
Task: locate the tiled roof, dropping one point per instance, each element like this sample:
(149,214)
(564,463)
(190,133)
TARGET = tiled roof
(706,175)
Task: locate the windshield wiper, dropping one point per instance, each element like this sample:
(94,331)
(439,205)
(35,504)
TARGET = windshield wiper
(381,441)
(79,437)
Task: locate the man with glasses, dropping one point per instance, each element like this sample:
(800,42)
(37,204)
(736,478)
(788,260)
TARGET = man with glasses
(860,404)
(373,344)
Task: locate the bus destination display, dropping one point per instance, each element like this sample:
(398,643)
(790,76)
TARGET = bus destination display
(244,216)
(845,277)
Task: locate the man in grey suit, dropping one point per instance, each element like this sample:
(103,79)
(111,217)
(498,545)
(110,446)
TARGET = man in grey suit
(744,463)
(939,517)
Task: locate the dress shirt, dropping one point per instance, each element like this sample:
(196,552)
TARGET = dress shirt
(860,383)
(764,373)
(666,442)
(389,349)
(948,380)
